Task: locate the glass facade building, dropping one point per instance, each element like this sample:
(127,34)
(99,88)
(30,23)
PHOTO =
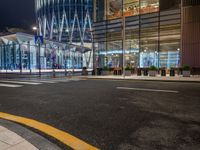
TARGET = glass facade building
(65,20)
(66,26)
(152,33)
(107,33)
(68,21)
(19,53)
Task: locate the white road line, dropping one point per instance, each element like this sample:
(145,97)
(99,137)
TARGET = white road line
(10,85)
(61,80)
(76,80)
(39,81)
(148,90)
(19,82)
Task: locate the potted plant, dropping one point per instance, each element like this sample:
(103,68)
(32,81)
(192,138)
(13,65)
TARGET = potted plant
(163,72)
(186,71)
(84,71)
(128,70)
(145,71)
(172,72)
(139,72)
(106,70)
(152,71)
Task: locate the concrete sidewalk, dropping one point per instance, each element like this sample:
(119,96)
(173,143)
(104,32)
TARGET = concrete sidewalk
(16,137)
(11,141)
(147,78)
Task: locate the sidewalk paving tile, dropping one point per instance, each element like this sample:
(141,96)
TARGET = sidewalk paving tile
(10,138)
(2,128)
(4,146)
(23,146)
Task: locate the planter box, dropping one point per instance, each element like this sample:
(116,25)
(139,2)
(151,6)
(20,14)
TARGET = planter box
(145,72)
(105,72)
(186,73)
(172,73)
(98,71)
(139,72)
(128,72)
(163,72)
(84,72)
(152,73)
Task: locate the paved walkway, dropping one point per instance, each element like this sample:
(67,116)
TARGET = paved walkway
(147,78)
(11,141)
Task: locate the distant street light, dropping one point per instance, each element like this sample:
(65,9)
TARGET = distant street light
(35,29)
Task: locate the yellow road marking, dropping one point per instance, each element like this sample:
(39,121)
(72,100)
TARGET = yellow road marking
(62,136)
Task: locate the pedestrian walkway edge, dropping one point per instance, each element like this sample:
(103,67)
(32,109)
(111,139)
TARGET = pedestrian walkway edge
(139,79)
(62,136)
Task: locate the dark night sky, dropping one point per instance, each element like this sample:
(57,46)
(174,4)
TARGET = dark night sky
(17,13)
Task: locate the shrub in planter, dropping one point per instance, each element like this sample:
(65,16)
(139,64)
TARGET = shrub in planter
(139,72)
(106,70)
(128,71)
(152,71)
(145,72)
(98,71)
(172,72)
(84,71)
(186,71)
(163,72)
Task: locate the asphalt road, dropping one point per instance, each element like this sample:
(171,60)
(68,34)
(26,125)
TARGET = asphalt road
(112,118)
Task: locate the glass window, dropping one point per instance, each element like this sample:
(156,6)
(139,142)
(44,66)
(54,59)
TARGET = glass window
(132,48)
(168,5)
(131,7)
(170,46)
(149,47)
(25,56)
(132,53)
(149,6)
(99,10)
(33,55)
(114,9)
(100,54)
(49,57)
(114,55)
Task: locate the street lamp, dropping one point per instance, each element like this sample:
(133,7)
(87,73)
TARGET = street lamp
(123,37)
(35,29)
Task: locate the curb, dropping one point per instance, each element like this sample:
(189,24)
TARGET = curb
(156,80)
(67,139)
(35,139)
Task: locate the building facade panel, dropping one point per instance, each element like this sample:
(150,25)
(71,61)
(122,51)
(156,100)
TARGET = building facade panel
(191,33)
(153,34)
(19,53)
(65,20)
(68,21)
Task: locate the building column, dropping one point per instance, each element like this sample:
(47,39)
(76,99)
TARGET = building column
(190,34)
(20,59)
